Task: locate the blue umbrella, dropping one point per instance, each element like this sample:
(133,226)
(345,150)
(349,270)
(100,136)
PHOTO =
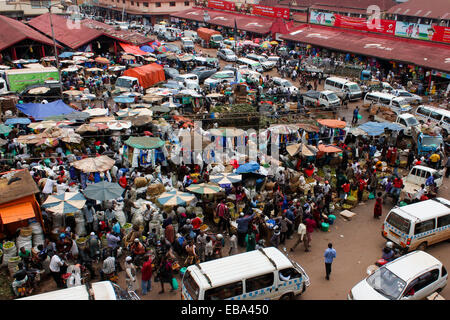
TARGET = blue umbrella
(123,99)
(248,167)
(66,54)
(13,121)
(147,49)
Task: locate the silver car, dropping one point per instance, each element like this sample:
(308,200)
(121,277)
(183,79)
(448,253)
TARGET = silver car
(226,54)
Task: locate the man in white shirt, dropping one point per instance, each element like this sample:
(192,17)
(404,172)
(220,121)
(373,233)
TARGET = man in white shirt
(55,268)
(48,187)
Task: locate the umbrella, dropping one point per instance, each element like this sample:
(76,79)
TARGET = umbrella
(275,43)
(308,127)
(13,121)
(72,138)
(103,191)
(265,45)
(128,57)
(66,54)
(187,58)
(4,129)
(162,49)
(74,116)
(73,92)
(170,104)
(67,61)
(226,132)
(102,119)
(70,69)
(175,198)
(144,142)
(139,121)
(283,128)
(94,112)
(214,95)
(328,148)
(225,178)
(189,92)
(160,109)
(151,98)
(3,142)
(332,123)
(102,60)
(68,202)
(248,167)
(156,43)
(91,127)
(118,125)
(97,164)
(123,99)
(39,90)
(147,49)
(117,68)
(94,69)
(304,150)
(42,125)
(204,188)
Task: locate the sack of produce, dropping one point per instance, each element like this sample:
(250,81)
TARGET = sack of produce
(24,242)
(120,217)
(9,251)
(140,182)
(351,200)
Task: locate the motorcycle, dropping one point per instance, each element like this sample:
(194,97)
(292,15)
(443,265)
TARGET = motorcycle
(396,253)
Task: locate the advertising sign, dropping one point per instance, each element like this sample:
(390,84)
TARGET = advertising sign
(19,81)
(270,11)
(422,32)
(222,5)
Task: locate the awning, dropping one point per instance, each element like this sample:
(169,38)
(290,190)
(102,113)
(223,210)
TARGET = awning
(255,24)
(128,48)
(420,53)
(16,213)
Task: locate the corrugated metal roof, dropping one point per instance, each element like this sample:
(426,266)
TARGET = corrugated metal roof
(14,31)
(421,53)
(435,9)
(16,184)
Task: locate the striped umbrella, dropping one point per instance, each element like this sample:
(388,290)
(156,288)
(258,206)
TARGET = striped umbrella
(175,198)
(225,178)
(67,202)
(204,188)
(266,45)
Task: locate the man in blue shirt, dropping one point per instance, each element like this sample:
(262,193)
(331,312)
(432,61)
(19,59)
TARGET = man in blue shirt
(329,255)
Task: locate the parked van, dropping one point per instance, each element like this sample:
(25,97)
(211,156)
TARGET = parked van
(267,65)
(104,290)
(437,116)
(245,276)
(418,225)
(187,43)
(192,77)
(251,64)
(191,34)
(398,105)
(341,86)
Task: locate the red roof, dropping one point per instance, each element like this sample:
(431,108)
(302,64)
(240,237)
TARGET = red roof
(256,24)
(14,31)
(67,32)
(435,9)
(421,53)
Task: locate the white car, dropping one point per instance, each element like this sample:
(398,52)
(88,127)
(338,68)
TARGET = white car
(220,77)
(285,83)
(411,277)
(408,96)
(226,54)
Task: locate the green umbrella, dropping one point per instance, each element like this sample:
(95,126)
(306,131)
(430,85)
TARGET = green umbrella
(144,142)
(103,191)
(4,129)
(204,188)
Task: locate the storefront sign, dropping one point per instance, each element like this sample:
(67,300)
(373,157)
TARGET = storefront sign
(270,11)
(222,5)
(390,27)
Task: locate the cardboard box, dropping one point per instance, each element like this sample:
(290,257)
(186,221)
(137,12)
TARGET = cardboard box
(347,214)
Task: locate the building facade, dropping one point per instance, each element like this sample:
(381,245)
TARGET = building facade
(27,8)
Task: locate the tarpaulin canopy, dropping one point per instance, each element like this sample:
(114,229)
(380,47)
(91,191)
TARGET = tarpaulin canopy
(18,212)
(332,123)
(377,128)
(128,48)
(147,75)
(39,111)
(144,142)
(328,148)
(248,168)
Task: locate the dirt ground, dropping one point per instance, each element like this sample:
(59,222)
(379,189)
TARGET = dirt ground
(358,244)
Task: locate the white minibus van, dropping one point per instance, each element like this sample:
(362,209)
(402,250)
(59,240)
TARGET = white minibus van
(397,104)
(251,64)
(418,225)
(437,116)
(340,86)
(255,275)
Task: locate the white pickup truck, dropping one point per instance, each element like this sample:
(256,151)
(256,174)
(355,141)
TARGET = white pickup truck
(322,99)
(416,177)
(406,120)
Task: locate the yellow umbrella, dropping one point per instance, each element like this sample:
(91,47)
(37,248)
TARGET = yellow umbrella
(274,42)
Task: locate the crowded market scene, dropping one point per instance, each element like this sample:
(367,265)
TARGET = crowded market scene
(221,152)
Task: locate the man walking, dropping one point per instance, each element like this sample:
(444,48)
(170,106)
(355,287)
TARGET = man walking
(355,115)
(329,255)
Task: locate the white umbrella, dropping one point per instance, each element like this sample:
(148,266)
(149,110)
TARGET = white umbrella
(118,124)
(39,90)
(94,112)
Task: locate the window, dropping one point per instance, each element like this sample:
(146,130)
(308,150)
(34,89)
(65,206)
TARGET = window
(403,122)
(423,111)
(132,3)
(329,82)
(371,98)
(259,282)
(414,172)
(436,116)
(224,292)
(2,85)
(35,4)
(290,273)
(186,3)
(146,4)
(190,285)
(137,4)
(447,120)
(385,101)
(396,104)
(399,222)
(443,221)
(172,4)
(444,271)
(158,4)
(424,226)
(426,279)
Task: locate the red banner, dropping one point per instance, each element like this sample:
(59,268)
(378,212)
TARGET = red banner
(361,24)
(270,11)
(222,5)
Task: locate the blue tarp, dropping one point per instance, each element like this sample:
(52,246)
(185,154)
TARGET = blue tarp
(248,167)
(41,111)
(13,121)
(377,128)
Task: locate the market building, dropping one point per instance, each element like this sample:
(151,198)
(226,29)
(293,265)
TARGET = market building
(436,12)
(25,9)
